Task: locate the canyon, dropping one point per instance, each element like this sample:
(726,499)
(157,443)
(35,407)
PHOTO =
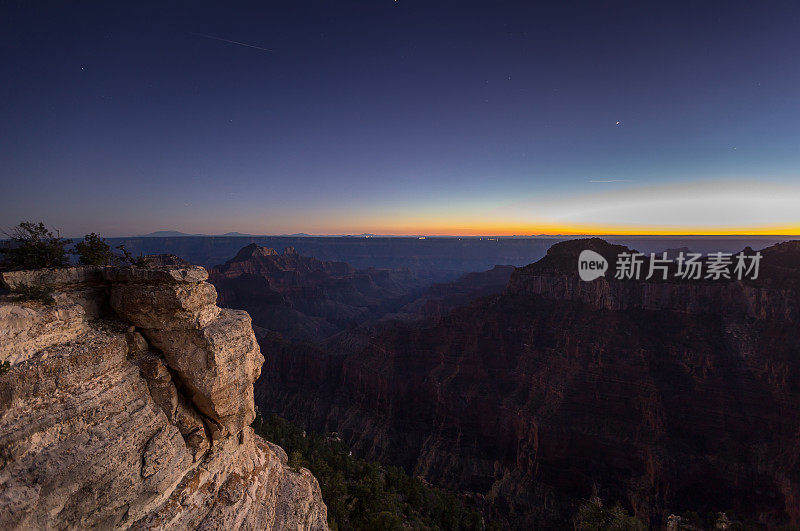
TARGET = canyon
(305,299)
(130,394)
(126,402)
(668,397)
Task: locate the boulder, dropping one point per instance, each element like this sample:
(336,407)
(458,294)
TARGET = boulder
(213,352)
(217,364)
(169,306)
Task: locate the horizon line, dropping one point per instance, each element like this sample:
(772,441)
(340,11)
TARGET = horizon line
(489,235)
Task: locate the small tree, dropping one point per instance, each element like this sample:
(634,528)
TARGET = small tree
(723,522)
(386,521)
(93,250)
(34,246)
(44,294)
(296,460)
(127,257)
(592,515)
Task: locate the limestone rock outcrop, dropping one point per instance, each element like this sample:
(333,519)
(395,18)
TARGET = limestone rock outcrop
(127,405)
(213,351)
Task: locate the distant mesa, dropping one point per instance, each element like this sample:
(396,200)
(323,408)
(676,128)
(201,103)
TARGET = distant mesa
(178,234)
(167,234)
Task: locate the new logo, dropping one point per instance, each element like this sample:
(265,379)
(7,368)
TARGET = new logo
(591,265)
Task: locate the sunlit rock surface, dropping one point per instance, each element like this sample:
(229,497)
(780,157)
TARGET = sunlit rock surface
(127,404)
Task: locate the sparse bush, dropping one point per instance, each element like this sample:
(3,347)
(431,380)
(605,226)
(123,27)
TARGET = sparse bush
(128,258)
(93,250)
(385,521)
(34,246)
(723,522)
(42,294)
(593,516)
(296,461)
(4,367)
(691,521)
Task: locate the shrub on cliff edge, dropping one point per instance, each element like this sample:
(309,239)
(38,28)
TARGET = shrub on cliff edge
(43,294)
(34,246)
(129,259)
(93,250)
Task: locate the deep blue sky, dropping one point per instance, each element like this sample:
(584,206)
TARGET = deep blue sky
(403,117)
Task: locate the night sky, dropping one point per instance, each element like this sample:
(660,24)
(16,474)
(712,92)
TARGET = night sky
(401,117)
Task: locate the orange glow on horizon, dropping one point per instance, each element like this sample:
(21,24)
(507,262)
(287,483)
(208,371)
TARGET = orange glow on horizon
(576,230)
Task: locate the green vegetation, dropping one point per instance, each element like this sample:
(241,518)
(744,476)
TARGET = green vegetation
(691,521)
(42,294)
(593,516)
(34,246)
(93,250)
(362,494)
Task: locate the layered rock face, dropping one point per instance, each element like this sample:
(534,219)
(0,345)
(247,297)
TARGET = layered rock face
(305,299)
(665,396)
(767,297)
(128,404)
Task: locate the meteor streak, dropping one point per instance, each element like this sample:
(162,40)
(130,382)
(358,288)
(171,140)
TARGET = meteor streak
(231,42)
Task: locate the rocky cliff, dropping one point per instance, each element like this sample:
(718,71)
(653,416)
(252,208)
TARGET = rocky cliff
(127,405)
(665,396)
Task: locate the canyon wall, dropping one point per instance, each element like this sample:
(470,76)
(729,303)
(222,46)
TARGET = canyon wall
(127,404)
(665,396)
(305,299)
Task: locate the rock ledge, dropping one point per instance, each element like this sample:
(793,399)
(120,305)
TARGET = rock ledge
(128,404)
